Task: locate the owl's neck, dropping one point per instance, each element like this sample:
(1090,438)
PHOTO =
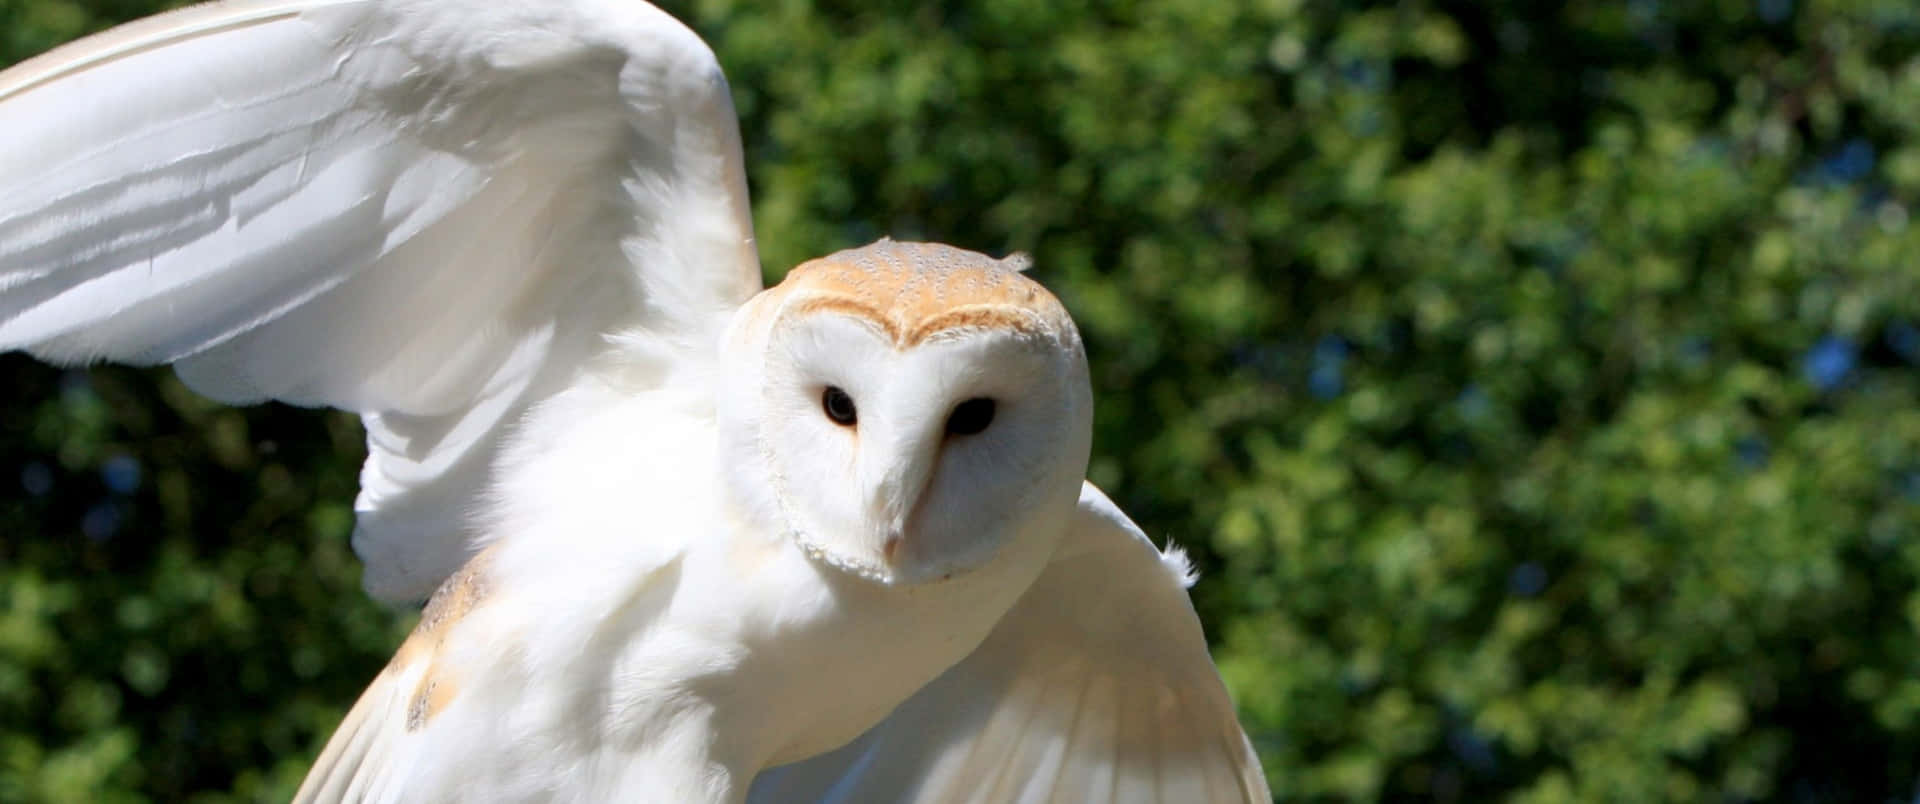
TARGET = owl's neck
(834,652)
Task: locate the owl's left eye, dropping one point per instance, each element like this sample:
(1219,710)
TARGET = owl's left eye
(839,407)
(971,416)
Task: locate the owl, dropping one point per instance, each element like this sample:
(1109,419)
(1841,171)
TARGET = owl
(684,539)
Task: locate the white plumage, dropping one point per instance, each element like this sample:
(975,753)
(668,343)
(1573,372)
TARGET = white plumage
(692,541)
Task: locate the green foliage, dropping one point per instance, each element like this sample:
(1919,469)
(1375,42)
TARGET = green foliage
(179,611)
(1536,383)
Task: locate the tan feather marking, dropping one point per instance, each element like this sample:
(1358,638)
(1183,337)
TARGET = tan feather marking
(852,308)
(435,690)
(1016,319)
(456,598)
(916,291)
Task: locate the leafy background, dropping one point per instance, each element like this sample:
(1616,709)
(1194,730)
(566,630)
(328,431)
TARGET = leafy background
(1535,381)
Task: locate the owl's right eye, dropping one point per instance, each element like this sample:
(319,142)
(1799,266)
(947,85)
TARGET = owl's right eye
(839,407)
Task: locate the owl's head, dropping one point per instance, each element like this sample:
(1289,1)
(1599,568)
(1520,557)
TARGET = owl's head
(905,410)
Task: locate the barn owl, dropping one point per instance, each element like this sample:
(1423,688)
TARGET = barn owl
(685,539)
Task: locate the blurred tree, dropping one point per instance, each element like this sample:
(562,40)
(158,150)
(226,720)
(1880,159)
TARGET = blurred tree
(1535,381)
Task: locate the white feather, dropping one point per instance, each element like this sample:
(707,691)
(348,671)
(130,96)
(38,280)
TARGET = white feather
(1095,687)
(432,213)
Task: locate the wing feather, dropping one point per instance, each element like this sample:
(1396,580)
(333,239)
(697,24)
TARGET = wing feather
(356,756)
(430,212)
(1096,687)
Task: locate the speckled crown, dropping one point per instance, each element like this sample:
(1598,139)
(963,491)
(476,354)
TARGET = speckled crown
(916,291)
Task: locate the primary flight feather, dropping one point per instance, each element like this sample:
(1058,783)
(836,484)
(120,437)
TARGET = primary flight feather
(691,540)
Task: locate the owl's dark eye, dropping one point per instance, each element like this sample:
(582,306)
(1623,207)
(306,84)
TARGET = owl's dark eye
(839,407)
(971,416)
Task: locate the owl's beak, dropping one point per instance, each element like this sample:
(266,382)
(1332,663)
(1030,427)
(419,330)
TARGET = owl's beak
(895,475)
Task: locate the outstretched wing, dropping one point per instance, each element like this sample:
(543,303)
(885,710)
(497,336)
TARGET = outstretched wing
(430,212)
(1096,687)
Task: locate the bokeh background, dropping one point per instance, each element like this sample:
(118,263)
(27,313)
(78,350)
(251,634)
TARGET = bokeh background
(1536,383)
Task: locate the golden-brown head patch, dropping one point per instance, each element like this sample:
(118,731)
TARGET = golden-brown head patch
(917,291)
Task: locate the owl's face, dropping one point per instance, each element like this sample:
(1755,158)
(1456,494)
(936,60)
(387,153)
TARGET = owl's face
(904,410)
